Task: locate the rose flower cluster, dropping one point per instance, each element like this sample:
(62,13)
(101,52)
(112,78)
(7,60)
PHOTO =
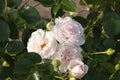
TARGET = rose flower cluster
(61,43)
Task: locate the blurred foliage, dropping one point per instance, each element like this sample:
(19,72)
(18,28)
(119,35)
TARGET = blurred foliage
(102,34)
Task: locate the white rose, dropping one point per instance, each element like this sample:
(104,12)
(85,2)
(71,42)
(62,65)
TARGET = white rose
(67,29)
(66,53)
(77,68)
(43,43)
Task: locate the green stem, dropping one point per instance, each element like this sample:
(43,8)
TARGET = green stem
(6,9)
(112,75)
(90,27)
(59,73)
(84,2)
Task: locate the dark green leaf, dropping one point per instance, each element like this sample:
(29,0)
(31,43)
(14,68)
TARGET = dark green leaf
(111,23)
(41,24)
(109,43)
(46,68)
(34,76)
(96,32)
(23,66)
(46,2)
(2,50)
(92,16)
(35,57)
(14,3)
(116,76)
(69,5)
(26,35)
(30,76)
(4,31)
(15,47)
(101,58)
(98,75)
(16,19)
(6,72)
(81,20)
(0,66)
(107,67)
(30,14)
(2,4)
(14,34)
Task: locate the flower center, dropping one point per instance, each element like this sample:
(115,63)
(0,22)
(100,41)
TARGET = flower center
(43,45)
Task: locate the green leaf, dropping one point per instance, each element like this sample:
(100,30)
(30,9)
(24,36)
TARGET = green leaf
(69,5)
(81,20)
(14,34)
(101,58)
(34,76)
(109,43)
(96,31)
(97,75)
(6,72)
(30,76)
(92,16)
(34,57)
(30,14)
(23,66)
(0,66)
(15,18)
(14,3)
(41,24)
(107,67)
(55,9)
(2,4)
(26,35)
(4,31)
(46,68)
(47,3)
(111,24)
(15,47)
(2,50)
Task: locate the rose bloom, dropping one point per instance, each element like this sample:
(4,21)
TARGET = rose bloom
(42,43)
(67,29)
(77,68)
(65,54)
